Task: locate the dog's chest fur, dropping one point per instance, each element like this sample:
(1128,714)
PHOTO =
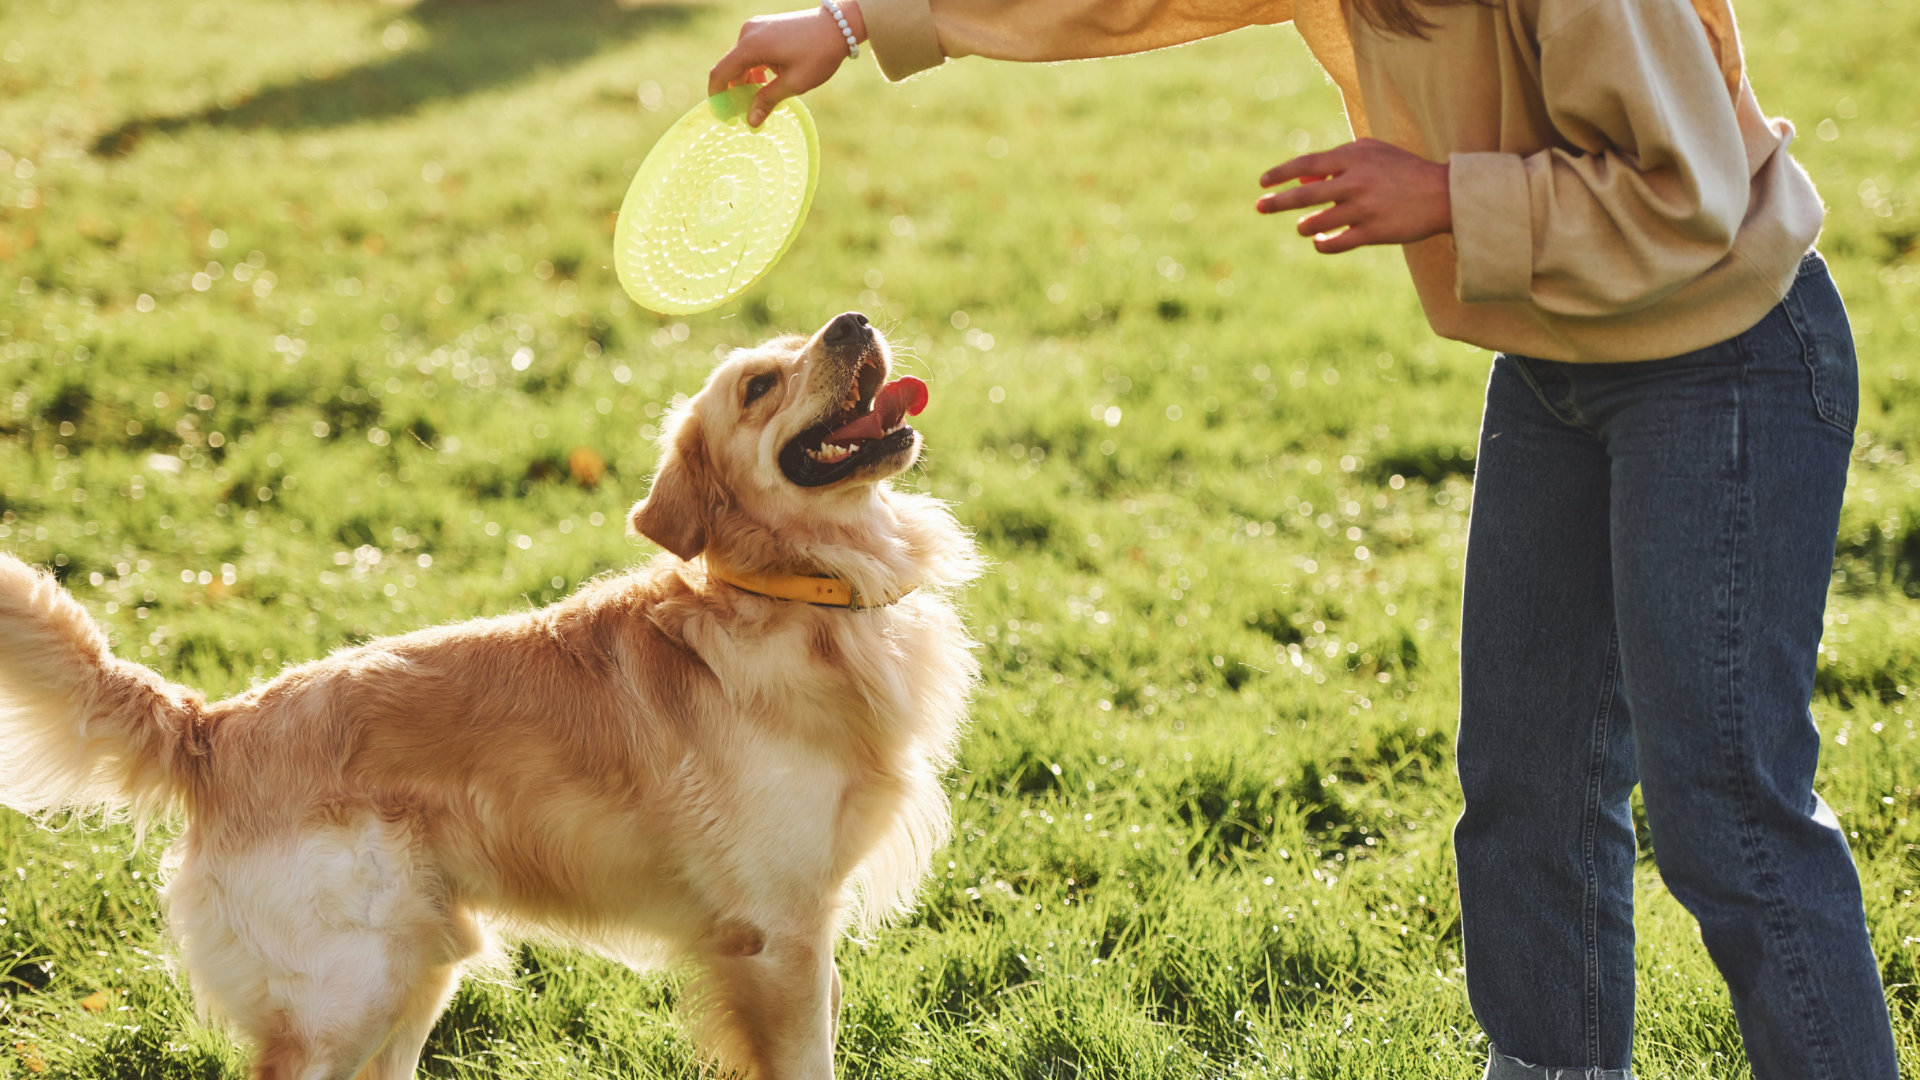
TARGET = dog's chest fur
(850,720)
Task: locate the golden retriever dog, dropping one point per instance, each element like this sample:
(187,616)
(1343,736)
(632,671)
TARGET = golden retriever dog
(662,766)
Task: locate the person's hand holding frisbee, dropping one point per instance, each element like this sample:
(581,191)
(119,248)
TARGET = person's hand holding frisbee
(802,48)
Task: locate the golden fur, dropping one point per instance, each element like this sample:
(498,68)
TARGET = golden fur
(658,767)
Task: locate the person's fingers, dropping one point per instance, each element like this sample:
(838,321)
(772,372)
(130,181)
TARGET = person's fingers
(1337,216)
(1346,240)
(753,76)
(731,66)
(1289,169)
(1312,193)
(1325,163)
(781,88)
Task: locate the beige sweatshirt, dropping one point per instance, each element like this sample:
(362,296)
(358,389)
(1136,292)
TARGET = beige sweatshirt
(1617,192)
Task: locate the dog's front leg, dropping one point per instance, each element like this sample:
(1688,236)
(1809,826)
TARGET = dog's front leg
(770,1000)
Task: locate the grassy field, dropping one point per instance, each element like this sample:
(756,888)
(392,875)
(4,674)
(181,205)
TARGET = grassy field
(306,335)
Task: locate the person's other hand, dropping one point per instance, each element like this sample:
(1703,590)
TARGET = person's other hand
(1381,194)
(803,48)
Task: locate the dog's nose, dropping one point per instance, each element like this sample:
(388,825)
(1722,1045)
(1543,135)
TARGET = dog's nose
(843,327)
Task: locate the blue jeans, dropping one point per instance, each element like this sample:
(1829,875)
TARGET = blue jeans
(1647,568)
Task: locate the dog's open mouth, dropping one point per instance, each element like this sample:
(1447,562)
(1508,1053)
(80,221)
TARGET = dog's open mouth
(868,427)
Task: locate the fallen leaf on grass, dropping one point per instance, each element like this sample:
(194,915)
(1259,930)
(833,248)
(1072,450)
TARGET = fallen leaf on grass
(95,1002)
(587,466)
(30,1057)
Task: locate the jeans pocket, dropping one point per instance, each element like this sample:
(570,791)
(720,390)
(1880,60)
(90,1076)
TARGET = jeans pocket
(1819,319)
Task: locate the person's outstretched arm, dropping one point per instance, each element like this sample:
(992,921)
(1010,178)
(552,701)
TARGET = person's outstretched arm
(805,48)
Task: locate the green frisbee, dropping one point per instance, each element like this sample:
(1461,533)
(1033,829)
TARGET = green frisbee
(716,203)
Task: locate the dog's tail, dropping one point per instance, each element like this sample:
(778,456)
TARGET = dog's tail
(81,729)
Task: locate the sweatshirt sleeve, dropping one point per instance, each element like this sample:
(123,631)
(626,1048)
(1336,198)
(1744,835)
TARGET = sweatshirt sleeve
(1649,192)
(909,36)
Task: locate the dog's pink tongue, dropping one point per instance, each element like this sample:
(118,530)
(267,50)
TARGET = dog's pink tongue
(904,396)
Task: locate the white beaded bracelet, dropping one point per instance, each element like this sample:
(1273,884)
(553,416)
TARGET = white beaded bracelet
(833,9)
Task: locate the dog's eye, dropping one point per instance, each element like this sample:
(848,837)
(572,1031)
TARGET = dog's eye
(757,388)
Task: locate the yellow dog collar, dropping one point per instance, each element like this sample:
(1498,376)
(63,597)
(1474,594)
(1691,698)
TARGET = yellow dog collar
(804,588)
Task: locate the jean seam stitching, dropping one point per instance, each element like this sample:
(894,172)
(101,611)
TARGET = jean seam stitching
(1777,920)
(1560,413)
(1590,930)
(1816,386)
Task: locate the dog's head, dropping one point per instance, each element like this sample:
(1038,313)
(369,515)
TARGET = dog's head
(785,442)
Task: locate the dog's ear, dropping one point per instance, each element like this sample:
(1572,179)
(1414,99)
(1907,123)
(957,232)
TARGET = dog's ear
(679,508)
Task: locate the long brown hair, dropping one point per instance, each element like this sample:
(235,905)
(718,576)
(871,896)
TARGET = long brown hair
(1400,16)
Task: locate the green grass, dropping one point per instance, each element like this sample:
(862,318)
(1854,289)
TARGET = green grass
(1178,853)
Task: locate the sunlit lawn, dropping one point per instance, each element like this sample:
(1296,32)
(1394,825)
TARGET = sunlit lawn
(306,314)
